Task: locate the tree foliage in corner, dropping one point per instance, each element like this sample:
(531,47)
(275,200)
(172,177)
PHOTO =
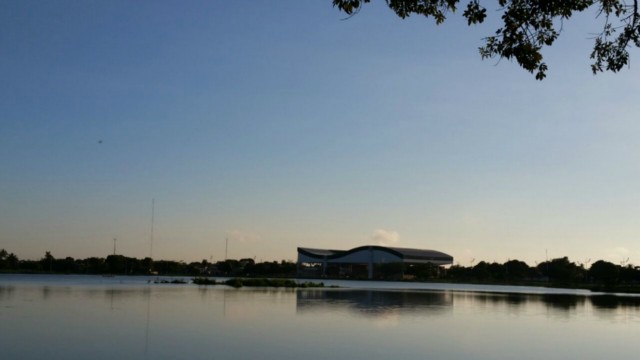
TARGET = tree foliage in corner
(530,25)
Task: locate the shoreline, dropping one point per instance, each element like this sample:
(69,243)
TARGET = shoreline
(499,287)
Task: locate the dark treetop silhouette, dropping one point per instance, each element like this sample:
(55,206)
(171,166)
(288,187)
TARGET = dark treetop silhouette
(530,25)
(601,275)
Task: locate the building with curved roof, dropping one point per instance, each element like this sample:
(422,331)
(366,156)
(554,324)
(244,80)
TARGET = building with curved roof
(364,260)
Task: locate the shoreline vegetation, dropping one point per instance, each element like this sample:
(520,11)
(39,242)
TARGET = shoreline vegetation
(257,282)
(599,276)
(242,282)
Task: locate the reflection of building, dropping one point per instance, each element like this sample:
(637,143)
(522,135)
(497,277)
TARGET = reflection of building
(373,302)
(364,261)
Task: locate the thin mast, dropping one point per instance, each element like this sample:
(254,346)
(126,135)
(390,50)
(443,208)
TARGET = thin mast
(153,210)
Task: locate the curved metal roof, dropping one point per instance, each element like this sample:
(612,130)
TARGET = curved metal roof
(404,253)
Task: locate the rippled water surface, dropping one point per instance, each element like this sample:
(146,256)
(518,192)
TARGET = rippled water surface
(85,317)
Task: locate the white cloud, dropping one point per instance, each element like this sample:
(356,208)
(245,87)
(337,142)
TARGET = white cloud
(242,236)
(385,238)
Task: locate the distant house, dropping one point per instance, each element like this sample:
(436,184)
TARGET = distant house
(369,262)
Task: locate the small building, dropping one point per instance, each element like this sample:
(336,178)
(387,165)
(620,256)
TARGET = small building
(369,262)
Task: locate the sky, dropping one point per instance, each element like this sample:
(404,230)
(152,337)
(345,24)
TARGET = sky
(282,124)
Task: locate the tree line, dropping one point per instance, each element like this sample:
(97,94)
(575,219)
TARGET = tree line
(560,272)
(124,265)
(556,272)
(601,275)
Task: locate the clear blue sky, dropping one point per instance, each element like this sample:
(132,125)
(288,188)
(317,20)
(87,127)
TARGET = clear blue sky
(278,124)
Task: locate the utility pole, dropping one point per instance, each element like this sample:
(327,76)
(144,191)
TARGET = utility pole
(226,248)
(114,246)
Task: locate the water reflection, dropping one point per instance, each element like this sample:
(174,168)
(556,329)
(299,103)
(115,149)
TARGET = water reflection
(372,302)
(613,302)
(6,292)
(147,321)
(555,301)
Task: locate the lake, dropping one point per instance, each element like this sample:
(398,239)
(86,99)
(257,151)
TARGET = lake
(93,317)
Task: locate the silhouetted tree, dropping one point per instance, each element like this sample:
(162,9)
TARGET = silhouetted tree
(66,265)
(47,261)
(147,265)
(604,272)
(497,271)
(93,265)
(516,270)
(629,274)
(12,261)
(530,25)
(457,272)
(3,257)
(561,270)
(481,271)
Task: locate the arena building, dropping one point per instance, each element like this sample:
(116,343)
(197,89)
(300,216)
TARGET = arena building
(365,261)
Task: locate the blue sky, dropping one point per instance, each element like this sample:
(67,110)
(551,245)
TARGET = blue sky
(279,124)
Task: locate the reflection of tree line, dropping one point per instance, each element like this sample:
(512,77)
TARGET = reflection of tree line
(374,301)
(369,300)
(561,301)
(557,301)
(109,293)
(6,292)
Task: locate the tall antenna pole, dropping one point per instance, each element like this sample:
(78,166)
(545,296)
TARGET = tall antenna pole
(114,246)
(153,210)
(226,247)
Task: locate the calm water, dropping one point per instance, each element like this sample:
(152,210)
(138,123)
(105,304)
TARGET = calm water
(84,317)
